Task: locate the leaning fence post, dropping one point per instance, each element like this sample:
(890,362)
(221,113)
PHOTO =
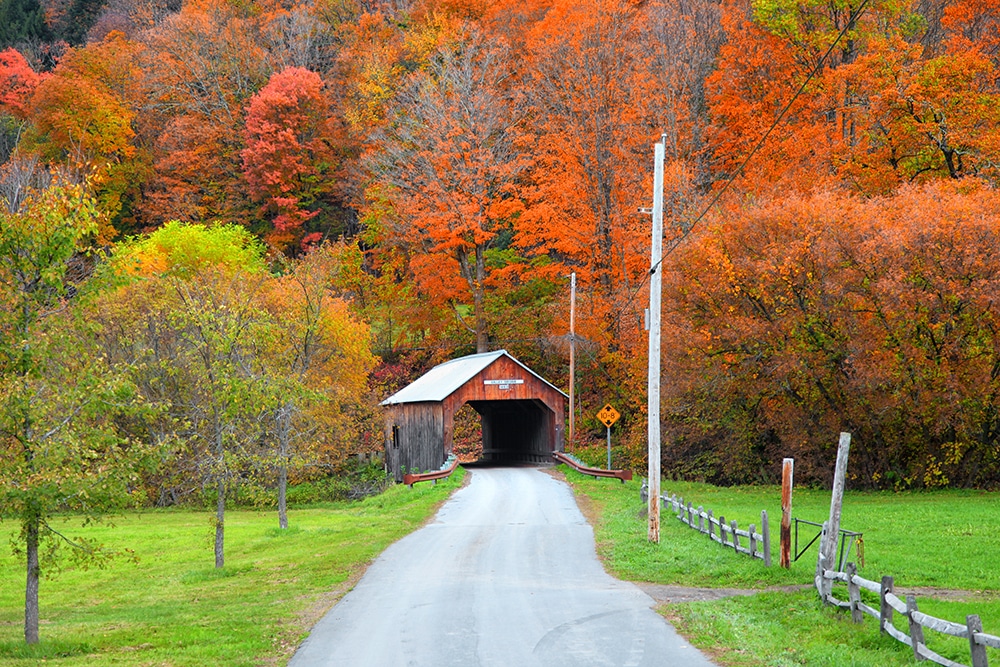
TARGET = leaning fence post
(854,594)
(828,543)
(736,538)
(885,610)
(973,622)
(916,630)
(765,532)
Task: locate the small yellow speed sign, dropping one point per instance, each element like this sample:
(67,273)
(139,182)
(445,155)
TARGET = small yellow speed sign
(608,415)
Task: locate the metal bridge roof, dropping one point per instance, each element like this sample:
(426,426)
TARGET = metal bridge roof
(444,379)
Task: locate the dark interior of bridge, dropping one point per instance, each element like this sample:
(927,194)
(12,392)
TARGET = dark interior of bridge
(515,431)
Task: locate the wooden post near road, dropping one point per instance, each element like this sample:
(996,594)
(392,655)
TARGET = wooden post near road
(785,556)
(828,543)
(653,395)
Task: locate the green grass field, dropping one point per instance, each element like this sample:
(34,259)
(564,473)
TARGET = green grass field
(174,608)
(942,539)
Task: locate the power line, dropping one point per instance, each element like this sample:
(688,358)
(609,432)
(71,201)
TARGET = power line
(760,142)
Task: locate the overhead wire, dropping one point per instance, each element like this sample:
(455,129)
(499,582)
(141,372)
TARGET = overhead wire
(729,181)
(739,169)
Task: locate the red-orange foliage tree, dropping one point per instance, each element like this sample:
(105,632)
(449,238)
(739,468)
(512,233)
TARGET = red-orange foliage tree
(448,163)
(202,65)
(82,118)
(290,161)
(17,82)
(813,315)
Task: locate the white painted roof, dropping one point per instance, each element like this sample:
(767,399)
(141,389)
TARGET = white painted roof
(444,379)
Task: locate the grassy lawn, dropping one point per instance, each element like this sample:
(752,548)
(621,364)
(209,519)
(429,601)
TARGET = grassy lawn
(943,539)
(174,608)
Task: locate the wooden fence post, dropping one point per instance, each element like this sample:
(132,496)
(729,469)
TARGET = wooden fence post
(973,622)
(787,469)
(765,532)
(885,609)
(701,519)
(753,540)
(711,528)
(736,538)
(722,529)
(820,585)
(688,522)
(916,630)
(854,594)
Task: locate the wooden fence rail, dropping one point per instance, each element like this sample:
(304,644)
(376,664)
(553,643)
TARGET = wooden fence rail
(918,621)
(728,534)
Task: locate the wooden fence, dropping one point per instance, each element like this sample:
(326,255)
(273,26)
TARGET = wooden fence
(728,534)
(917,620)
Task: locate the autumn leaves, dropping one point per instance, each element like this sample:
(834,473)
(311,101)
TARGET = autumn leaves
(475,153)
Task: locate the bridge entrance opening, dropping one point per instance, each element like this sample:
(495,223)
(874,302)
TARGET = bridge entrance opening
(515,431)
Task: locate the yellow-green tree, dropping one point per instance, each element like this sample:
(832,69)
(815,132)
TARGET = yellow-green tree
(60,447)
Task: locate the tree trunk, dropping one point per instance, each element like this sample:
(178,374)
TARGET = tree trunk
(284,429)
(282,503)
(31,588)
(220,519)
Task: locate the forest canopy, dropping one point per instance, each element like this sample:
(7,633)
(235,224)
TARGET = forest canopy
(400,182)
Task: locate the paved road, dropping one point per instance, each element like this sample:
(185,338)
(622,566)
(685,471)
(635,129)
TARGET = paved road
(506,575)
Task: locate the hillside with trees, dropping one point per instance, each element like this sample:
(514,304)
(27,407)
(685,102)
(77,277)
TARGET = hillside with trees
(229,229)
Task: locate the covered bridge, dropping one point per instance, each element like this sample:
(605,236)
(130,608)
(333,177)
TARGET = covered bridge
(522,414)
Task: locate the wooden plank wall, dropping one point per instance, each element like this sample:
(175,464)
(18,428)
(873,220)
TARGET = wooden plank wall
(414,436)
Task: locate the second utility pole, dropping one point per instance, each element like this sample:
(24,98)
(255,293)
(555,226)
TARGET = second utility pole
(572,354)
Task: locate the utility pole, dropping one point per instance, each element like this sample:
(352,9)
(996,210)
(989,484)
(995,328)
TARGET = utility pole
(572,355)
(653,394)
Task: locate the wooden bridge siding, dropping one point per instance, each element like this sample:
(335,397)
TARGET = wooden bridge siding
(420,431)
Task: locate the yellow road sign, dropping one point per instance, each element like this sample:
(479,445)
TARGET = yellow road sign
(608,415)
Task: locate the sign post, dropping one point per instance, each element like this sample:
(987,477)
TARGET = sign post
(608,416)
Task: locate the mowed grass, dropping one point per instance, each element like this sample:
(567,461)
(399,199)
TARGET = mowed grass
(174,608)
(942,539)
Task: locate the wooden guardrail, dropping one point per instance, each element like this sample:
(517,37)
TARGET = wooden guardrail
(449,467)
(594,472)
(918,621)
